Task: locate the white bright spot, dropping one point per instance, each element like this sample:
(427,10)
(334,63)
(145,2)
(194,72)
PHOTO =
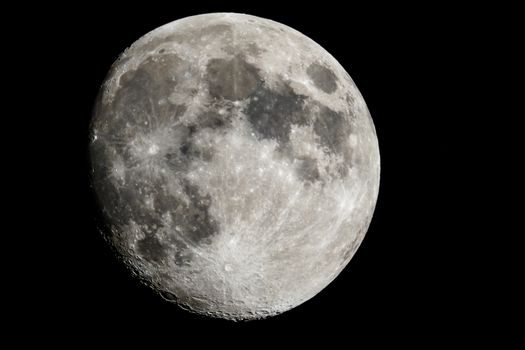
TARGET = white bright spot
(153,149)
(353,140)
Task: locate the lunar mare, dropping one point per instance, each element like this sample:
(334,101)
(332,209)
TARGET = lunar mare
(235,162)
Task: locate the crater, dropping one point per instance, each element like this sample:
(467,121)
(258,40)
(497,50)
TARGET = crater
(183,256)
(322,77)
(232,79)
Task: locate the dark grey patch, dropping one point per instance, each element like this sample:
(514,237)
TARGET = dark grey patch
(176,37)
(307,169)
(194,220)
(176,160)
(142,98)
(141,104)
(192,129)
(233,79)
(333,129)
(185,148)
(122,204)
(132,197)
(212,120)
(182,256)
(162,70)
(272,113)
(322,77)
(170,111)
(156,76)
(188,149)
(191,151)
(228,107)
(151,249)
(254,49)
(131,101)
(179,159)
(342,169)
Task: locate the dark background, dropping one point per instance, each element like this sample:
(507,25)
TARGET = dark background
(410,279)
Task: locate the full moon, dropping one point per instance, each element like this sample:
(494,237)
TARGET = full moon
(235,163)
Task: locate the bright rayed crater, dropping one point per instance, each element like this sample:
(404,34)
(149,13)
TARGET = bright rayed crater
(235,163)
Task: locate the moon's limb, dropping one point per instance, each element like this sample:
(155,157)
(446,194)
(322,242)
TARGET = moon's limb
(236,163)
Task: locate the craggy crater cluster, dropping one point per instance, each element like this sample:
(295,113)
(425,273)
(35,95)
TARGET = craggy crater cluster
(236,164)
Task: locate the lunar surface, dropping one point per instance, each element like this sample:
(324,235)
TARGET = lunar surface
(235,163)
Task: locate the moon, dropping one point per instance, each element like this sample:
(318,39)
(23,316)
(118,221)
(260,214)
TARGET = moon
(235,163)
